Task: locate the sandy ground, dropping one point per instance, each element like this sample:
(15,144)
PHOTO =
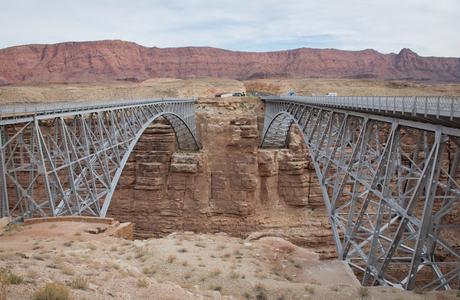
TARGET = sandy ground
(351,87)
(208,87)
(180,266)
(152,88)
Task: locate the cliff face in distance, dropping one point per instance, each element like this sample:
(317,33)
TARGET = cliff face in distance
(120,60)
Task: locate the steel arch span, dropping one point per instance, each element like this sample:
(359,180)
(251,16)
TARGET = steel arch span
(67,158)
(391,187)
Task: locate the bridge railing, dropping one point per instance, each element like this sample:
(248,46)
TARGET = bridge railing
(23,109)
(421,105)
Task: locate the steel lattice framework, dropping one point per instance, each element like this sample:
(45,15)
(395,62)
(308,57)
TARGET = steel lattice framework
(67,158)
(389,173)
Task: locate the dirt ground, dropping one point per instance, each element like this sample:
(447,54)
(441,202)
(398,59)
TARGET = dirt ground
(208,87)
(179,266)
(352,87)
(152,88)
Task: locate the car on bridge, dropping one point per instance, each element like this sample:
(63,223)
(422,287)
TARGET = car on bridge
(225,95)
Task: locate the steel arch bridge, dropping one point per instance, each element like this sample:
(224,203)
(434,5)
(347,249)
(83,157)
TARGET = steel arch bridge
(66,158)
(388,168)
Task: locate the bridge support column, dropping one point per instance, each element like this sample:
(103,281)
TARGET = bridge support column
(4,205)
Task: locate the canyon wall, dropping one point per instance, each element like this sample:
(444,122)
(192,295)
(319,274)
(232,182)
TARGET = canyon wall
(120,60)
(229,186)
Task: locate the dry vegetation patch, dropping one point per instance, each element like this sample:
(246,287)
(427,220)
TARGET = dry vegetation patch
(103,267)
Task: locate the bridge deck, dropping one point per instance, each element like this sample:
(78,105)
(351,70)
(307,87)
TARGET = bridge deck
(438,110)
(24,112)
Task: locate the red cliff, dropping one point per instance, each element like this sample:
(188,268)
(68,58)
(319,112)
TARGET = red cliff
(119,60)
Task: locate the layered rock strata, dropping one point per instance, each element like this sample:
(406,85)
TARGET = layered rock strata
(229,186)
(120,60)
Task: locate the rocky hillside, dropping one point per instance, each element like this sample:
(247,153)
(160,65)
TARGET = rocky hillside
(119,60)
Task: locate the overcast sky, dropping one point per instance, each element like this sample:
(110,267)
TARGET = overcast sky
(429,27)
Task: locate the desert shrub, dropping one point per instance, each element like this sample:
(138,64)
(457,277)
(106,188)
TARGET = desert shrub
(188,275)
(216,288)
(142,283)
(8,277)
(287,277)
(141,253)
(149,271)
(32,274)
(363,292)
(200,245)
(92,247)
(260,291)
(52,291)
(171,259)
(215,272)
(310,289)
(68,244)
(3,288)
(12,228)
(66,269)
(234,275)
(79,283)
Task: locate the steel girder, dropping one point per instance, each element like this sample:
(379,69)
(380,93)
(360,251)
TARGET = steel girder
(68,161)
(391,188)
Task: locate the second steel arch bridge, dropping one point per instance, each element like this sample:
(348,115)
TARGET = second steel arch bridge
(389,172)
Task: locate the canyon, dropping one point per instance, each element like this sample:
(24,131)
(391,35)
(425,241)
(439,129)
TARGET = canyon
(255,216)
(229,186)
(117,60)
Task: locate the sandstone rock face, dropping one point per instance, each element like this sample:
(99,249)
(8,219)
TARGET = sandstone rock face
(119,60)
(229,186)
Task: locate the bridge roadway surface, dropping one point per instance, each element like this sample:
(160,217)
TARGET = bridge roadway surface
(388,168)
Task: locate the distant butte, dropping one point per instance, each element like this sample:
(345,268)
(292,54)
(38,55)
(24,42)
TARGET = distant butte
(119,60)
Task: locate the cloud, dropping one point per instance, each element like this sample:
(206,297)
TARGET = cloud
(428,27)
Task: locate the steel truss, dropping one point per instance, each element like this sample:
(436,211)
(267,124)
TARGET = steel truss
(391,187)
(68,160)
